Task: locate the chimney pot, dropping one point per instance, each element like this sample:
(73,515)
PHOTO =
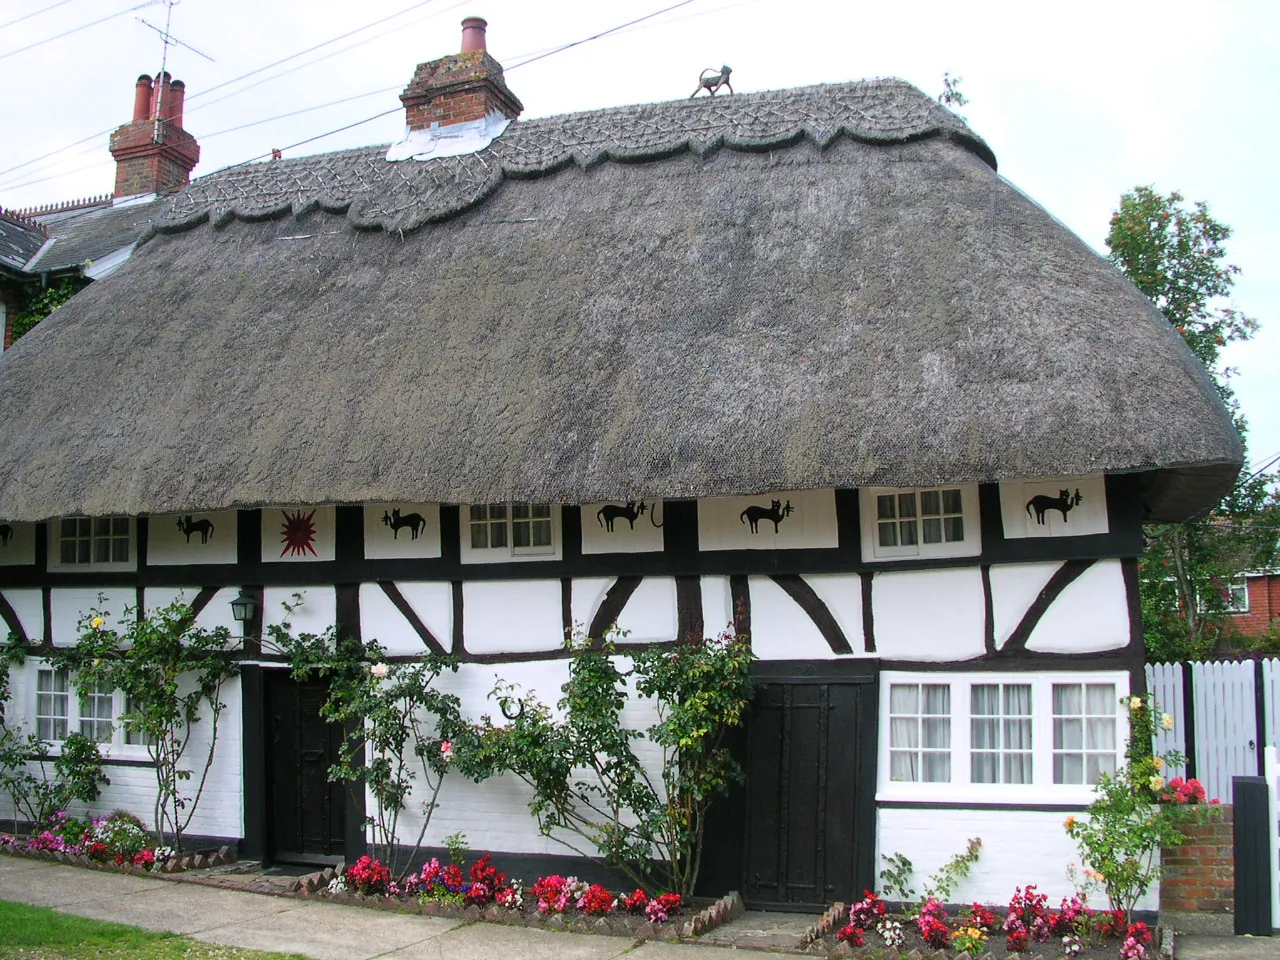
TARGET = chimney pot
(473,34)
(173,110)
(142,98)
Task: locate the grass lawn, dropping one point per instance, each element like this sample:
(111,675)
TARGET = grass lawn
(35,933)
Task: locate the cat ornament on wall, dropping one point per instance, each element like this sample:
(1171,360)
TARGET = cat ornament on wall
(1064,503)
(776,512)
(610,512)
(416,523)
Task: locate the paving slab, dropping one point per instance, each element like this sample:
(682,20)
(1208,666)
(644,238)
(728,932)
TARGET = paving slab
(331,931)
(57,885)
(1193,947)
(658,950)
(761,930)
(487,941)
(180,908)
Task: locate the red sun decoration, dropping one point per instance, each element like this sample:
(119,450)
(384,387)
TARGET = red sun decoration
(298,533)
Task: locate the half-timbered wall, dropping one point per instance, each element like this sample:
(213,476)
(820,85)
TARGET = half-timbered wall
(1031,579)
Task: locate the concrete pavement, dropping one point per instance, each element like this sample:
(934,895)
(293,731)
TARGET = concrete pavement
(324,931)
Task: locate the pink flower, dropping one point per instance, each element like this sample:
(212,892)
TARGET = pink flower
(378,671)
(446,750)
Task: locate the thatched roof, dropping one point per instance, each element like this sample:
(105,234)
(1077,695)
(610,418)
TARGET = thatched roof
(825,287)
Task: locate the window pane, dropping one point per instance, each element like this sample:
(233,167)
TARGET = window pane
(498,534)
(479,512)
(937,733)
(904,698)
(120,551)
(951,502)
(541,510)
(68,528)
(1068,768)
(479,536)
(67,551)
(82,550)
(520,533)
(497,511)
(519,511)
(932,529)
(954,527)
(937,699)
(1100,699)
(884,507)
(101,550)
(906,504)
(1068,734)
(930,503)
(908,531)
(937,767)
(120,526)
(984,768)
(1066,699)
(888,534)
(101,527)
(903,767)
(542,533)
(904,732)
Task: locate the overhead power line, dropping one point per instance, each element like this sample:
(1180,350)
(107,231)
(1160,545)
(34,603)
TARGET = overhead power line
(83,26)
(597,36)
(35,13)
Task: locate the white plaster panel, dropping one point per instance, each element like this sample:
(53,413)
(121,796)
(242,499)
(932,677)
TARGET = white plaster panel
(17,544)
(723,523)
(1013,589)
(512,616)
(933,615)
(1018,507)
(212,538)
(70,604)
(318,521)
(1092,613)
(780,630)
(381,621)
(842,593)
(29,607)
(316,614)
(628,536)
(401,530)
(1018,847)
(717,604)
(216,613)
(650,613)
(586,597)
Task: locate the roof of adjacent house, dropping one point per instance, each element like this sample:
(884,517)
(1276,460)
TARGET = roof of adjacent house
(82,236)
(809,288)
(19,241)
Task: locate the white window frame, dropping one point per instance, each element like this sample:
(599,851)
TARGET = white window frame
(508,552)
(116,745)
(1240,584)
(970,546)
(56,538)
(961,788)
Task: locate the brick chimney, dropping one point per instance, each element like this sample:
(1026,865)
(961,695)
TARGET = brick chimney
(461,87)
(151,156)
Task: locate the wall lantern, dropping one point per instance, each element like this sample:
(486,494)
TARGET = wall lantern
(244,607)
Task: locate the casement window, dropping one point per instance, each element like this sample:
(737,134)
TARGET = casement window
(53,701)
(923,522)
(1234,597)
(92,542)
(999,735)
(506,531)
(97,714)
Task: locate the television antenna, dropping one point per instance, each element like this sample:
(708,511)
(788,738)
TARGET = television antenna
(168,39)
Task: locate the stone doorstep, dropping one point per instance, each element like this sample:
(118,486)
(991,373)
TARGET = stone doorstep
(1199,923)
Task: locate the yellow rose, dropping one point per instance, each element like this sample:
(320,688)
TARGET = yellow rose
(1069,822)
(1157,763)
(96,623)
(1135,703)
(1155,783)
(1166,721)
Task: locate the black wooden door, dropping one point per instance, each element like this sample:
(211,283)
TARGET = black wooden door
(305,812)
(810,791)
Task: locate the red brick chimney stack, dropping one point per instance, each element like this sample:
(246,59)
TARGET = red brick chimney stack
(151,157)
(461,87)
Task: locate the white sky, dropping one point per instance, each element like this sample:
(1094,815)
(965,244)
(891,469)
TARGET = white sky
(1080,101)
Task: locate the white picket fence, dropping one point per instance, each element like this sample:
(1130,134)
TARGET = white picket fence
(1216,721)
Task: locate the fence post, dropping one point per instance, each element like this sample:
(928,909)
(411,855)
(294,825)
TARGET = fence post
(1189,717)
(1252,856)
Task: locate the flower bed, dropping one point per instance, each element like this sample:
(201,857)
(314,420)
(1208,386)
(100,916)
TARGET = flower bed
(485,892)
(1026,928)
(117,841)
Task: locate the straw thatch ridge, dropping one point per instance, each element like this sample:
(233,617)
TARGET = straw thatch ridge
(406,196)
(728,323)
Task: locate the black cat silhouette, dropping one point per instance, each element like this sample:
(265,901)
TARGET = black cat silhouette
(1063,503)
(416,523)
(611,512)
(776,512)
(205,528)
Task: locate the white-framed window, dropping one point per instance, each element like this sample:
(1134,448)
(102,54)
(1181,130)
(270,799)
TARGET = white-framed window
(494,532)
(1021,737)
(1234,596)
(53,702)
(92,542)
(98,713)
(925,522)
(1084,731)
(920,732)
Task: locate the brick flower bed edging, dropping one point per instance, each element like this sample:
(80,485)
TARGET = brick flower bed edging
(182,864)
(314,886)
(826,925)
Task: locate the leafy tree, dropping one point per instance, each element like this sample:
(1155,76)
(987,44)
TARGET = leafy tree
(952,96)
(44,301)
(171,673)
(1175,254)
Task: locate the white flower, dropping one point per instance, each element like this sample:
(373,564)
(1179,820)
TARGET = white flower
(379,671)
(1135,703)
(1166,721)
